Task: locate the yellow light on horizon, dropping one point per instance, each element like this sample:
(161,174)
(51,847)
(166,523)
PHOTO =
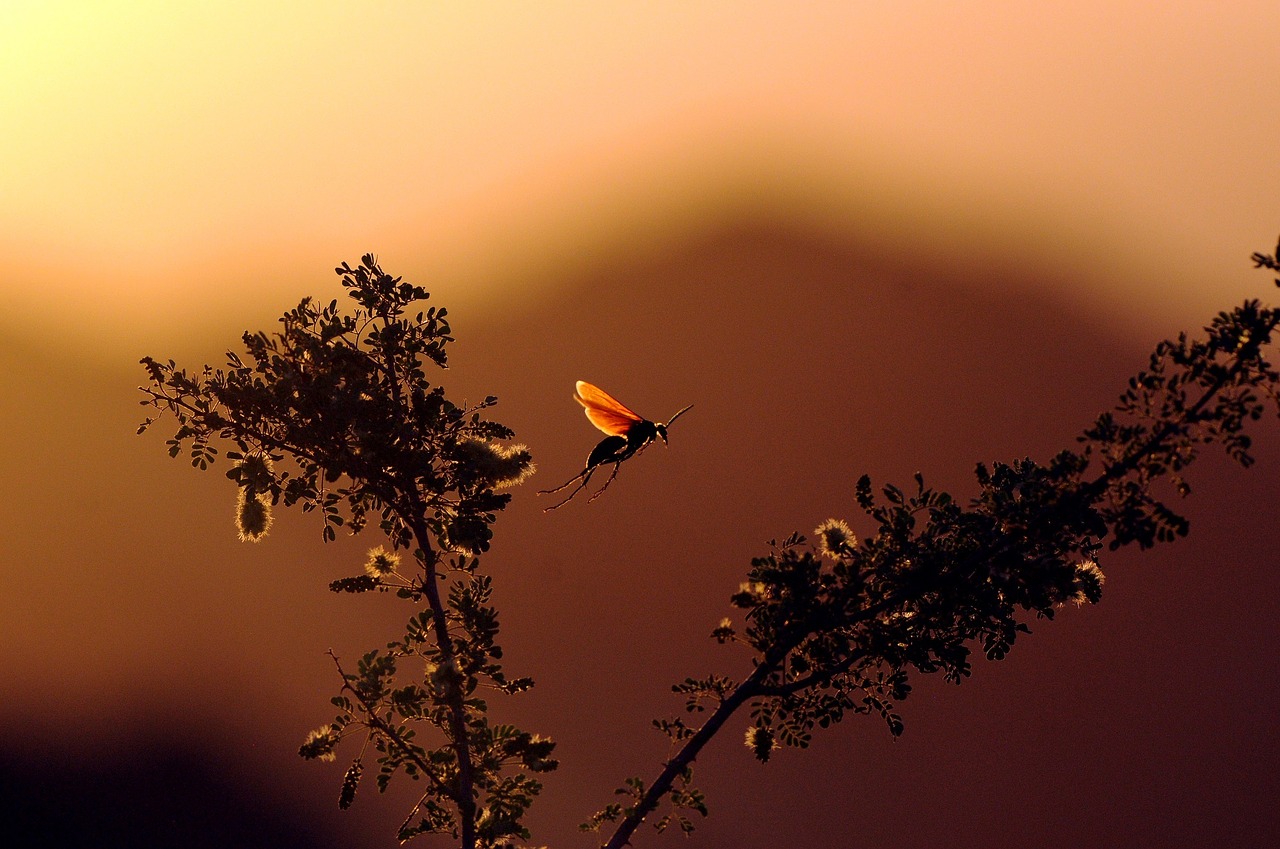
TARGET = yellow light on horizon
(161,156)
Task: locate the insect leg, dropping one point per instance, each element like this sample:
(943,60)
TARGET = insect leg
(583,477)
(570,482)
(601,490)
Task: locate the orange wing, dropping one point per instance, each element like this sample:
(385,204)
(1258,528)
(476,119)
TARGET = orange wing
(604,411)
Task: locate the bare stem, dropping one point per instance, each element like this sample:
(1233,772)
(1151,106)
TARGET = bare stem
(457,710)
(376,722)
(688,752)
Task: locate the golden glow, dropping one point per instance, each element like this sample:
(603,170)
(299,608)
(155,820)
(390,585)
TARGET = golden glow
(161,157)
(639,185)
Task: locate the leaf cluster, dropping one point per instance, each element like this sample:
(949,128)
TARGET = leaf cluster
(347,399)
(335,412)
(1193,393)
(839,628)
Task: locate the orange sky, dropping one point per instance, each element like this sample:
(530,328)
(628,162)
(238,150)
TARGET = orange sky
(158,155)
(859,237)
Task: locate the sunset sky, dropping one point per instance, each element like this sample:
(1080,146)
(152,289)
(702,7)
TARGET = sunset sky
(858,237)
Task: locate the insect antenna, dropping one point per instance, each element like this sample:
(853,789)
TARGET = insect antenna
(672,420)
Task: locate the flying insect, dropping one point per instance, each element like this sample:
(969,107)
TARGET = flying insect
(628,434)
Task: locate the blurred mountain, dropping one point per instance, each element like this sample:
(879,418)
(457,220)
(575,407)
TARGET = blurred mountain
(810,359)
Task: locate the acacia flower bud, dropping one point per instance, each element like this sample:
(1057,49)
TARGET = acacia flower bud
(381,562)
(835,539)
(1088,583)
(253,515)
(760,741)
(753,592)
(724,631)
(350,782)
(320,744)
(500,466)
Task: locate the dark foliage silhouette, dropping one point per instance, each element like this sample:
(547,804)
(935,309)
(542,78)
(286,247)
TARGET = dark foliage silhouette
(835,626)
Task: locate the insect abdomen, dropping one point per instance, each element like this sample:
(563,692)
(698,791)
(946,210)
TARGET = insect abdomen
(607,450)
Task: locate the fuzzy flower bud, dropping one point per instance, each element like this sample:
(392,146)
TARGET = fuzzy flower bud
(253,515)
(835,539)
(1088,583)
(381,562)
(724,631)
(350,782)
(761,743)
(320,744)
(499,466)
(750,594)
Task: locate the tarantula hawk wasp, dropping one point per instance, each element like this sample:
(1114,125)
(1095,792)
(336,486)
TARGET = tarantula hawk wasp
(628,435)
